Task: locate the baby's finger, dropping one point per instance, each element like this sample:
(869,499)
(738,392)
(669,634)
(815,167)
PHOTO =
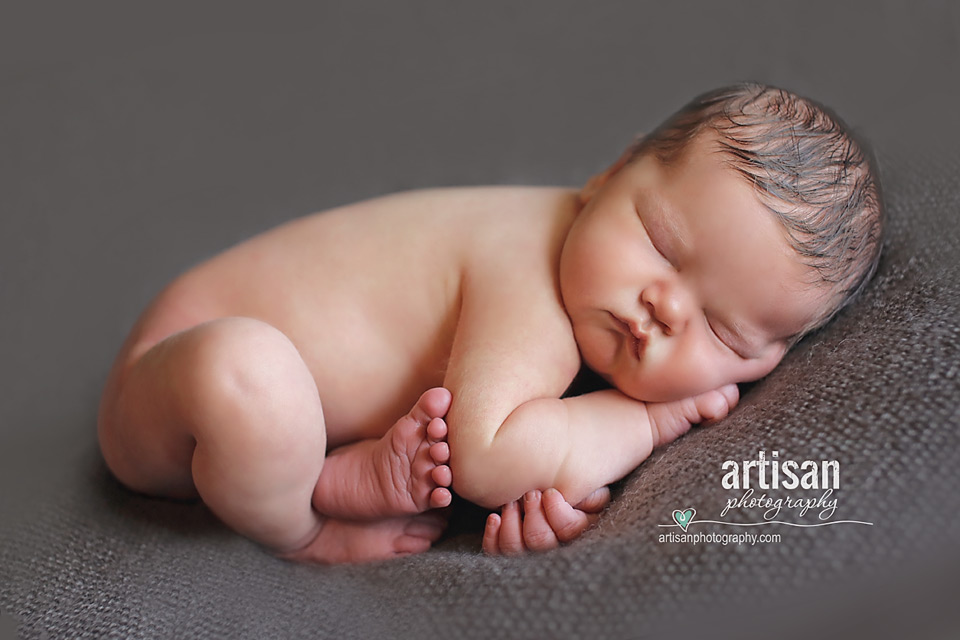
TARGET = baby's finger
(566,522)
(732,393)
(537,534)
(511,530)
(491,535)
(714,405)
(596,501)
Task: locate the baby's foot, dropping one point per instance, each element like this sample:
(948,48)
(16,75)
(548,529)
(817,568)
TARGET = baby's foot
(413,468)
(343,541)
(404,472)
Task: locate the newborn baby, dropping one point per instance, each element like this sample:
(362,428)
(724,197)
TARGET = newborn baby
(323,386)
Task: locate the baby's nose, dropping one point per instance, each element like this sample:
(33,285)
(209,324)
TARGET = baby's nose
(666,306)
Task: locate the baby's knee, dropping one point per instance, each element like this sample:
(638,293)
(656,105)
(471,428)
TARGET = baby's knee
(247,376)
(245,357)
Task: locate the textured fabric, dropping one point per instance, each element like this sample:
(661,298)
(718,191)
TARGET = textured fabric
(130,156)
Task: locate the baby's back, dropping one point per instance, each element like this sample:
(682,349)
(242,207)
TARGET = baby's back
(371,293)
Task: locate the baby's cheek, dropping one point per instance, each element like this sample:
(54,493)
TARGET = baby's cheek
(674,371)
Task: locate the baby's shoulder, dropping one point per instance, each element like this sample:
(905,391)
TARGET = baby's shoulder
(511,276)
(507,221)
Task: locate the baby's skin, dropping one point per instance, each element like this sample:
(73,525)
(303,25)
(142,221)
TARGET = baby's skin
(324,385)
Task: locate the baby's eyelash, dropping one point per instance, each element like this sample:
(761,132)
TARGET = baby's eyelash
(652,241)
(717,335)
(712,330)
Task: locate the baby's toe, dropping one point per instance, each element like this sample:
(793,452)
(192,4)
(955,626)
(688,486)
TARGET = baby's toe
(437,430)
(434,403)
(442,476)
(410,545)
(428,526)
(440,452)
(440,498)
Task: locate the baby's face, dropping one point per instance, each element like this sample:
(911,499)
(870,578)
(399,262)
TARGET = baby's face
(678,280)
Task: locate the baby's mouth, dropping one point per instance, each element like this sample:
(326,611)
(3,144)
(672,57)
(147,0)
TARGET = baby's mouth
(640,345)
(632,330)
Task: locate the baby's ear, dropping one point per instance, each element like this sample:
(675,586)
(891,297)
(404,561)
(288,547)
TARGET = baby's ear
(596,182)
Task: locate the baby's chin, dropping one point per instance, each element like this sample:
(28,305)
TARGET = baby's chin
(654,397)
(650,393)
(640,388)
(642,392)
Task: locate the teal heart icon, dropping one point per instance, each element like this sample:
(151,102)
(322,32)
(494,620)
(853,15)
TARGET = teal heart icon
(684,518)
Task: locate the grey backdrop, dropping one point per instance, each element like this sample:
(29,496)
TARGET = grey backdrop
(136,141)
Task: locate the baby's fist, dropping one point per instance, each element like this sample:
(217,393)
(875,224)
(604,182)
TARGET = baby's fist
(670,420)
(546,521)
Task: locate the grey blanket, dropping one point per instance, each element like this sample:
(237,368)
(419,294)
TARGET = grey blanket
(137,141)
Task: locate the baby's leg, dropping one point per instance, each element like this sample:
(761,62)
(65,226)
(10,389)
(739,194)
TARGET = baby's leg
(402,473)
(228,410)
(342,541)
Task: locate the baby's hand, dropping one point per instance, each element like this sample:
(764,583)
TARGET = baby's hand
(670,420)
(546,521)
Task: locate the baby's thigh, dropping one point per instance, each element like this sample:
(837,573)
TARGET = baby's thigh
(169,313)
(182,358)
(234,389)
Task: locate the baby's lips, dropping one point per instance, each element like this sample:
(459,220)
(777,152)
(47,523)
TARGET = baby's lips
(641,344)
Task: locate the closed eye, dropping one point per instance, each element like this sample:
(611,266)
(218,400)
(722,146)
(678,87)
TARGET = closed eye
(653,241)
(721,340)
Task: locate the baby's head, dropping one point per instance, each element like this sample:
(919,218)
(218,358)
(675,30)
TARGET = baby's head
(746,220)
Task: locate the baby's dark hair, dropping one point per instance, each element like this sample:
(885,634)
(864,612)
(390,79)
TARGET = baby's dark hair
(809,169)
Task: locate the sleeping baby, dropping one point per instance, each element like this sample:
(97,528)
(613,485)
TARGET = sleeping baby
(325,385)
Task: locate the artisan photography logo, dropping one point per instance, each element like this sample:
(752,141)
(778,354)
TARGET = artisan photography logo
(768,492)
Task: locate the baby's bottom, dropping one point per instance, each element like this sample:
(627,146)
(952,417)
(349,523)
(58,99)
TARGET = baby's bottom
(229,411)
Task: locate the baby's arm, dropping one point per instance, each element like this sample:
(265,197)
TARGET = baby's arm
(544,520)
(579,444)
(513,355)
